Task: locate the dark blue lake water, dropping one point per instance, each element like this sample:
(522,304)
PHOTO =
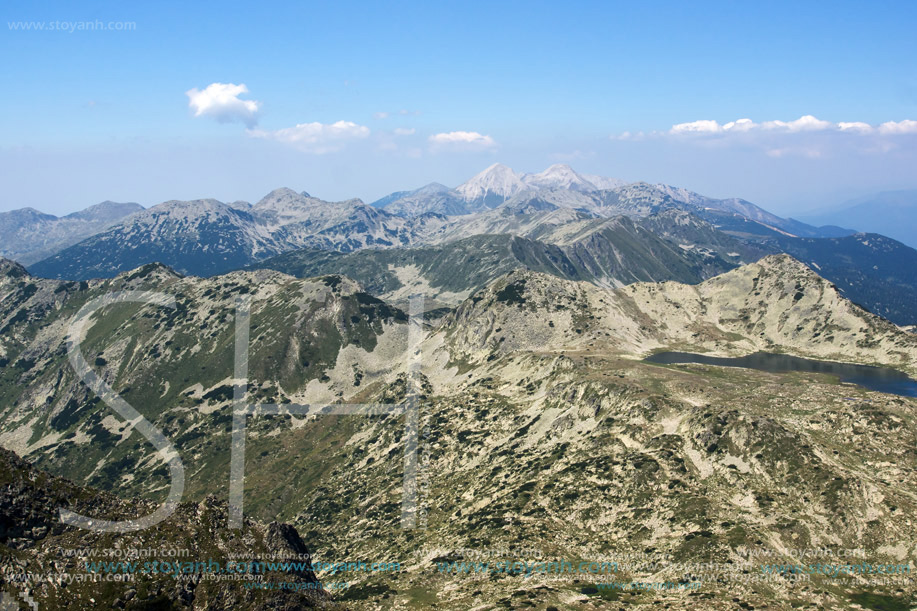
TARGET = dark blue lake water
(881,379)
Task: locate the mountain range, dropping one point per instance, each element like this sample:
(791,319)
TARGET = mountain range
(28,235)
(582,227)
(207,237)
(542,428)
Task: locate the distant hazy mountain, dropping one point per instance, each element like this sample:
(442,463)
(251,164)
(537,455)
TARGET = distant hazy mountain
(206,237)
(891,213)
(491,188)
(433,197)
(560,186)
(433,187)
(639,199)
(27,235)
(560,176)
(604,182)
(747,211)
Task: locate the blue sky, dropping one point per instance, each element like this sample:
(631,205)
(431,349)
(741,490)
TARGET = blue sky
(390,96)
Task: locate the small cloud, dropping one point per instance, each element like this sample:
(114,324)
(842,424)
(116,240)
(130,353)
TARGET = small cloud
(316,138)
(380,115)
(221,101)
(472,140)
(704,126)
(855,127)
(405,131)
(802,124)
(901,127)
(742,125)
(629,136)
(409,113)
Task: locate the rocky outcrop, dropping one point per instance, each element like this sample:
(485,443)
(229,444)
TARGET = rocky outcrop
(34,542)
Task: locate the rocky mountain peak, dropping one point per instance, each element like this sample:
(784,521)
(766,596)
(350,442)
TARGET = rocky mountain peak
(433,187)
(496,181)
(181,209)
(11,269)
(559,176)
(25,215)
(786,263)
(285,205)
(281,199)
(782,276)
(157,272)
(107,211)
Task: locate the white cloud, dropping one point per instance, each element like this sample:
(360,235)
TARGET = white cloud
(629,136)
(708,126)
(807,136)
(901,127)
(704,126)
(221,101)
(806,123)
(857,127)
(317,138)
(463,140)
(405,131)
(380,115)
(742,125)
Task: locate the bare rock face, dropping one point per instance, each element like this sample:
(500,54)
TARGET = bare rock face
(283,541)
(34,541)
(282,538)
(11,269)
